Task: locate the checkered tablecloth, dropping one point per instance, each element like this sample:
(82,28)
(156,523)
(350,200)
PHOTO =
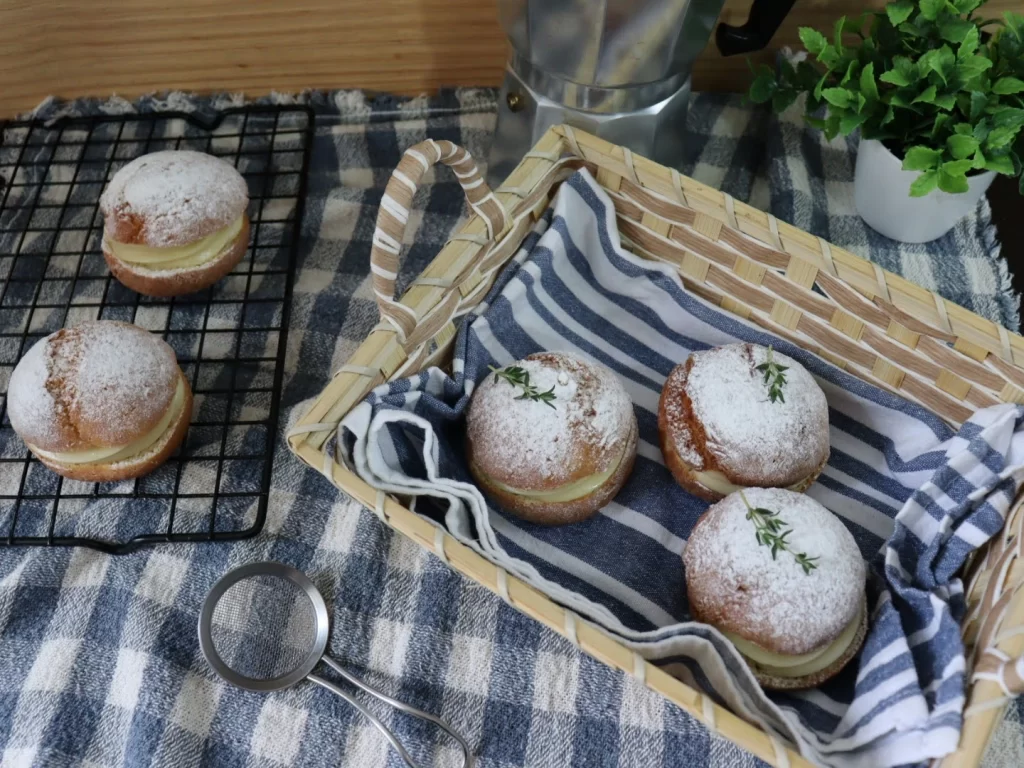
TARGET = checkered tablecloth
(99,658)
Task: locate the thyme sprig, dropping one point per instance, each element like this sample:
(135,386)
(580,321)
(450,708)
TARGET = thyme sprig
(519,377)
(772,531)
(774,377)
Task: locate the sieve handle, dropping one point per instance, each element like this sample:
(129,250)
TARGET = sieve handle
(467,756)
(367,714)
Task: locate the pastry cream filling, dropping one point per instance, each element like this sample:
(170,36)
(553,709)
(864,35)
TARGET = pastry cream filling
(577,489)
(178,256)
(716,481)
(110,454)
(780,665)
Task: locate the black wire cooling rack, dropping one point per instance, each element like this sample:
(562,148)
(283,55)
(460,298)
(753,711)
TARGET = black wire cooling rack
(230,339)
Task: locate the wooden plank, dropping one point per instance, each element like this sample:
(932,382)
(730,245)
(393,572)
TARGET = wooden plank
(256,46)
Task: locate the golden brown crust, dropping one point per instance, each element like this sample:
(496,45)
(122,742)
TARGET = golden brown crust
(178,282)
(69,392)
(125,470)
(498,424)
(681,432)
(562,512)
(775,683)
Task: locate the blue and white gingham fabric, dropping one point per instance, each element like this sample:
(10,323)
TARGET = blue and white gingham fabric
(99,660)
(572,287)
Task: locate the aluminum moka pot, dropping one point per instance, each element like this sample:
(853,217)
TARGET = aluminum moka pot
(616,68)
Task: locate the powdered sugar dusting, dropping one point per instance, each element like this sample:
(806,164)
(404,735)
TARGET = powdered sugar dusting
(100,383)
(529,445)
(755,441)
(30,405)
(733,582)
(172,198)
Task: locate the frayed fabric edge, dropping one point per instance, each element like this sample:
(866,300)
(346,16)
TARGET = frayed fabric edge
(351,105)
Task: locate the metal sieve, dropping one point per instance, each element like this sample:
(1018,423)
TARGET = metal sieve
(264,627)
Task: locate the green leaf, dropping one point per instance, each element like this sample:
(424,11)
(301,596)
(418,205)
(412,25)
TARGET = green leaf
(837,34)
(890,114)
(956,167)
(911,30)
(970,67)
(829,56)
(942,61)
(927,95)
(979,161)
(894,77)
(763,88)
(813,40)
(962,146)
(1008,117)
(1000,137)
(955,29)
(930,8)
(954,185)
(1008,85)
(783,100)
(902,100)
(924,184)
(1015,23)
(831,127)
(850,69)
(1020,184)
(849,123)
(946,101)
(837,97)
(899,12)
(1001,164)
(867,82)
(940,122)
(970,43)
(963,129)
(819,86)
(966,6)
(981,130)
(978,103)
(921,159)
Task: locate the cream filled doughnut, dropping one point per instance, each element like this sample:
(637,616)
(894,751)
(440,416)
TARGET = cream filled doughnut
(721,431)
(174,222)
(100,401)
(796,611)
(552,438)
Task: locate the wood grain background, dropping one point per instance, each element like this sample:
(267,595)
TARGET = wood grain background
(131,47)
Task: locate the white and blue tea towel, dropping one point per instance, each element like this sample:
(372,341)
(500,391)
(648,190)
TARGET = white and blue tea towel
(917,497)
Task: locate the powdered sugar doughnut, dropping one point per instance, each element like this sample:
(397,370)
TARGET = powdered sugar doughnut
(720,431)
(558,461)
(796,626)
(174,222)
(100,401)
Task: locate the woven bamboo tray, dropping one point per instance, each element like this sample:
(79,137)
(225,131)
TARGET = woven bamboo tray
(872,323)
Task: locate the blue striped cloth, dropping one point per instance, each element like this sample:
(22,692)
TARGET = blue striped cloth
(917,497)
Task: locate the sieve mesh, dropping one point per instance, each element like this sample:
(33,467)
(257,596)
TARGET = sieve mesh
(263,627)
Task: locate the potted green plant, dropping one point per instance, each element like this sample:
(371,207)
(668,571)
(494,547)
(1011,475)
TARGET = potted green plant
(937,92)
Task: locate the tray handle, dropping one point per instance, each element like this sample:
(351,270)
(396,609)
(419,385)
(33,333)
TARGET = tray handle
(394,215)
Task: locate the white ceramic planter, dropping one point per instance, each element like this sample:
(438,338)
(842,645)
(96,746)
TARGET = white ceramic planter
(881,190)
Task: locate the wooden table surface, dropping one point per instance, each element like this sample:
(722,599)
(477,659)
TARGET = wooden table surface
(133,47)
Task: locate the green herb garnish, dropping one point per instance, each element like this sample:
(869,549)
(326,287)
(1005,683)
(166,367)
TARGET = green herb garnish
(774,377)
(772,531)
(518,377)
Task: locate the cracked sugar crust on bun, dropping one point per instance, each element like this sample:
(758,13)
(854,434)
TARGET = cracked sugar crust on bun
(172,198)
(174,222)
(774,603)
(554,459)
(720,430)
(96,387)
